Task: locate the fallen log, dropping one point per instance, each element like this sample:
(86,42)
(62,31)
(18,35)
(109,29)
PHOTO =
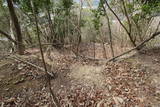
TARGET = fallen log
(138,47)
(31,64)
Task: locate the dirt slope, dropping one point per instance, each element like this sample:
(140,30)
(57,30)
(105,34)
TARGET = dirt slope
(133,82)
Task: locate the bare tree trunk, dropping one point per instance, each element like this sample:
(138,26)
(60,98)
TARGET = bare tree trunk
(50,25)
(8,36)
(126,14)
(128,32)
(42,55)
(13,47)
(103,45)
(94,48)
(79,27)
(14,18)
(68,30)
(104,51)
(110,32)
(29,36)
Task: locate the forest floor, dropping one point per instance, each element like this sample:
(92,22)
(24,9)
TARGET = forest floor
(133,82)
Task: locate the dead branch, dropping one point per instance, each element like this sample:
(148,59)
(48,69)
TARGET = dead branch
(127,16)
(138,47)
(8,36)
(125,28)
(29,63)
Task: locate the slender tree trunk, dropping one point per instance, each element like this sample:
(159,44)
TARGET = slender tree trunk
(110,32)
(127,31)
(50,25)
(104,50)
(13,47)
(14,18)
(57,104)
(29,36)
(68,25)
(79,27)
(94,48)
(103,45)
(110,36)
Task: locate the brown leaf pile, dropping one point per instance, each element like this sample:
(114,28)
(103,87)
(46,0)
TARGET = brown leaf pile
(125,85)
